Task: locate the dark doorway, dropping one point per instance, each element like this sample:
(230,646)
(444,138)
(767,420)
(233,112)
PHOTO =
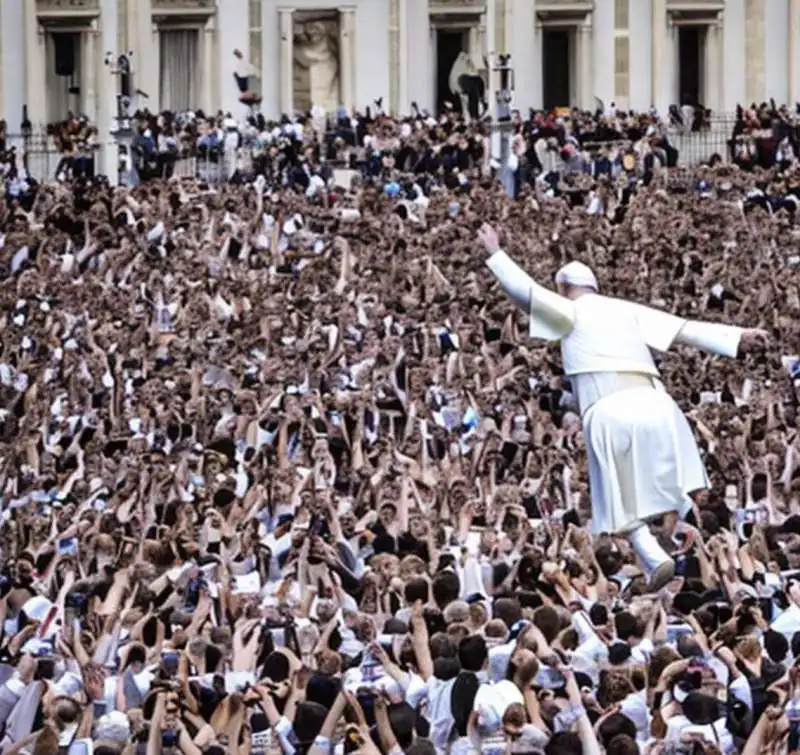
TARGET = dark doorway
(556,68)
(690,56)
(449,44)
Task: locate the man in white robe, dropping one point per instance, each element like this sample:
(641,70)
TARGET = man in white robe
(643,458)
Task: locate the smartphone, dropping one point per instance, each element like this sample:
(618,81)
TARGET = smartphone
(676,631)
(169,661)
(550,678)
(68,546)
(45,669)
(81,747)
(746,518)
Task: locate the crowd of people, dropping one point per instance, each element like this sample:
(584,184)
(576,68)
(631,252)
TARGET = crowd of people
(281,471)
(217,147)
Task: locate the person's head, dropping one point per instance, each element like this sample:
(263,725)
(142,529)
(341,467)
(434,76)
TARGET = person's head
(615,685)
(402,718)
(615,725)
(628,628)
(414,590)
(776,645)
(421,746)
(576,279)
(514,719)
(623,744)
(495,631)
(507,610)
(446,588)
(472,653)
(456,612)
(598,614)
(564,743)
(547,621)
(64,711)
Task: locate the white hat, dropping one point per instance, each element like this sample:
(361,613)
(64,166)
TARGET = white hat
(577,274)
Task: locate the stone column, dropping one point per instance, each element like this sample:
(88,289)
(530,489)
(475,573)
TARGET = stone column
(347,68)
(155,69)
(12,42)
(89,71)
(287,60)
(34,70)
(208,67)
(394,56)
(491,54)
(713,95)
(659,52)
(538,98)
(143,40)
(754,50)
(792,28)
(404,102)
(526,58)
(107,87)
(2,72)
(584,90)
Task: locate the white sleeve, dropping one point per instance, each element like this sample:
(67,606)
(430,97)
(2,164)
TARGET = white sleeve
(711,336)
(740,689)
(658,329)
(551,315)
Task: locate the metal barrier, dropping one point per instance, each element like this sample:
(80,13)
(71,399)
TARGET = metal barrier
(43,159)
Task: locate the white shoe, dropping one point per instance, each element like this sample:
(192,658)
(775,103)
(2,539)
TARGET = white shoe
(658,566)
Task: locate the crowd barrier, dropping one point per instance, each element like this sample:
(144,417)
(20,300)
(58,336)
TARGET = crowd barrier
(44,160)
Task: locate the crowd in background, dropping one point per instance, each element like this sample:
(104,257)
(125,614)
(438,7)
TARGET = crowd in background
(608,141)
(280,470)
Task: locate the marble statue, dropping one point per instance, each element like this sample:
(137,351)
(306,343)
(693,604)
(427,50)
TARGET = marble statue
(468,83)
(316,65)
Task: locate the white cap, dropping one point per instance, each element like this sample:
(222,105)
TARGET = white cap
(577,274)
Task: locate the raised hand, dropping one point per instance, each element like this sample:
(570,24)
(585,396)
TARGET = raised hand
(753,340)
(488,237)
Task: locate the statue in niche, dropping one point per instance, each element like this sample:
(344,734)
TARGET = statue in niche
(316,65)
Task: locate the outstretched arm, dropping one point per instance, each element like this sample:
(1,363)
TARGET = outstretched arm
(662,330)
(551,315)
(725,340)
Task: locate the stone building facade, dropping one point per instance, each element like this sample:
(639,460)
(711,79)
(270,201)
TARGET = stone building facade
(635,53)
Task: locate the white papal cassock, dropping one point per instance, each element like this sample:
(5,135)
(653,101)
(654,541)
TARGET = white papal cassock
(643,458)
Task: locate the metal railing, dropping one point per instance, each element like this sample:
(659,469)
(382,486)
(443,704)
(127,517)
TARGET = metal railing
(44,161)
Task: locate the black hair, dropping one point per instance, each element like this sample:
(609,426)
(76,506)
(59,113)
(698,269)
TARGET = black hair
(446,588)
(416,589)
(472,653)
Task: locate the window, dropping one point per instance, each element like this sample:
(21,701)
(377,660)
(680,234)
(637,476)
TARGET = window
(179,69)
(255,34)
(63,78)
(621,21)
(621,67)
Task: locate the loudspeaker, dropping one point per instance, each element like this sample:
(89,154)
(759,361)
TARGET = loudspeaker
(64,46)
